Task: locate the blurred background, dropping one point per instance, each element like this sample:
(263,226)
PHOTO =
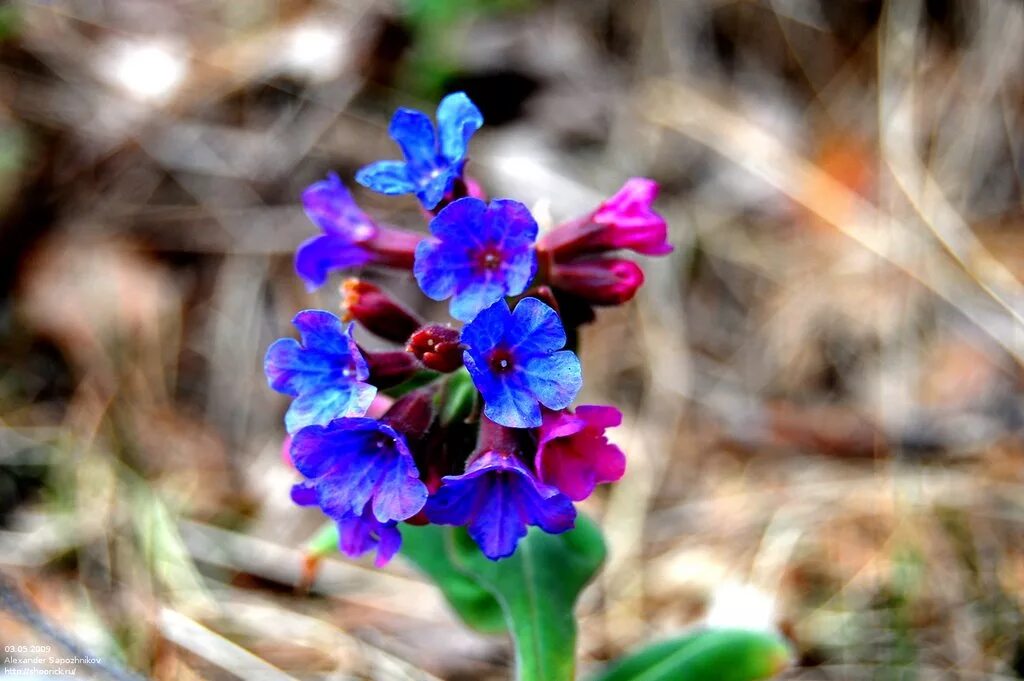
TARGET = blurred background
(822,385)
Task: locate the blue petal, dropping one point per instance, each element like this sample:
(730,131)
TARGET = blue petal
(519,269)
(388,544)
(434,184)
(453,503)
(358,534)
(415,135)
(536,328)
(461,221)
(304,494)
(476,296)
(437,268)
(498,525)
(457,120)
(510,222)
(507,400)
(555,379)
(386,177)
(349,399)
(330,206)
(325,334)
(487,330)
(549,509)
(319,256)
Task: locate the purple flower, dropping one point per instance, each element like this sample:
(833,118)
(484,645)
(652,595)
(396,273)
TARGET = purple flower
(349,239)
(624,221)
(516,362)
(358,534)
(325,373)
(573,454)
(433,162)
(355,464)
(630,222)
(496,498)
(480,254)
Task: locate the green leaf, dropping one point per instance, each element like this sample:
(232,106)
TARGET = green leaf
(418,380)
(459,397)
(427,548)
(708,655)
(537,588)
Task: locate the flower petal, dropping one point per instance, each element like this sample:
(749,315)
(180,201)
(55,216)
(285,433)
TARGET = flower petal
(331,207)
(321,255)
(386,177)
(554,380)
(478,295)
(536,328)
(487,329)
(457,120)
(415,135)
(461,221)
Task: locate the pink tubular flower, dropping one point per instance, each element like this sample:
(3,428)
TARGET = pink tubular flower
(623,221)
(573,454)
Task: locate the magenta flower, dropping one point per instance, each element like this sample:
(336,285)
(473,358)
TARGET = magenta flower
(573,454)
(625,221)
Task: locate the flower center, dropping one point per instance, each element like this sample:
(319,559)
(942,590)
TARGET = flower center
(489,258)
(500,361)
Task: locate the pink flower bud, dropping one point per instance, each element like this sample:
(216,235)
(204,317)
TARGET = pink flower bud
(599,281)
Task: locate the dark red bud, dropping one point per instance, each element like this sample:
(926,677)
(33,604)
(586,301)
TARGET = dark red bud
(377,311)
(599,281)
(437,346)
(388,369)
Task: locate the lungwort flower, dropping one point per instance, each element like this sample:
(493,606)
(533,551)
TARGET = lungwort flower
(625,221)
(433,159)
(349,237)
(573,454)
(352,464)
(325,373)
(517,362)
(479,254)
(498,497)
(358,534)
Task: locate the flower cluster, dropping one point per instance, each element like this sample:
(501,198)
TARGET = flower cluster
(473,426)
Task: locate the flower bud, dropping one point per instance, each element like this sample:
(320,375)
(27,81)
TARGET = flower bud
(624,221)
(599,281)
(388,369)
(438,347)
(377,311)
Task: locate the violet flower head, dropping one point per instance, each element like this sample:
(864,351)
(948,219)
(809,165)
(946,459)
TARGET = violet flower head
(479,254)
(433,159)
(349,237)
(325,373)
(344,227)
(630,221)
(573,454)
(358,534)
(496,499)
(516,362)
(355,464)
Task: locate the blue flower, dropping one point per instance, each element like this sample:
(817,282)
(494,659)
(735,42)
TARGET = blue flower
(345,227)
(496,498)
(355,464)
(516,363)
(480,254)
(357,534)
(325,373)
(431,165)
